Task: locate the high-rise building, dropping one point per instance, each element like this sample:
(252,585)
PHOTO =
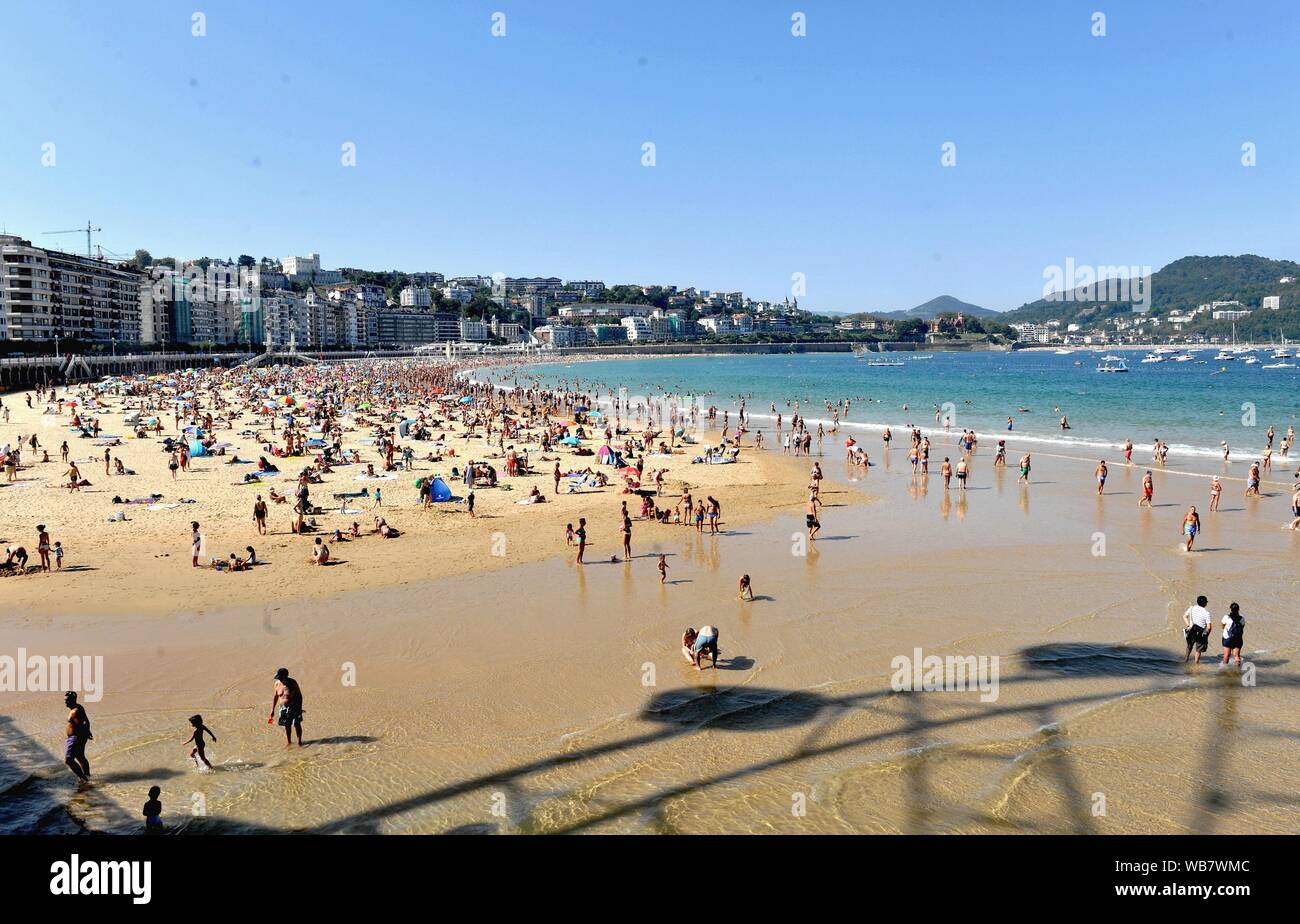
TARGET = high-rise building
(46,294)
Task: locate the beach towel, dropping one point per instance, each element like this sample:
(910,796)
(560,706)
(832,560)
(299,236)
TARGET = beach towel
(386,476)
(161,506)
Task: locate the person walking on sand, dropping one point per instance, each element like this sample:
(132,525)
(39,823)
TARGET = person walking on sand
(1216,489)
(581,534)
(557,476)
(1102,472)
(663,569)
(627,536)
(1148,490)
(946,471)
(1128,452)
(259,515)
(1234,632)
(1025,466)
(196,543)
(1191,526)
(1196,629)
(78,733)
(286,706)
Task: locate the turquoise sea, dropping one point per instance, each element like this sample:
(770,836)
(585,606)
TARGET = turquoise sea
(1192,406)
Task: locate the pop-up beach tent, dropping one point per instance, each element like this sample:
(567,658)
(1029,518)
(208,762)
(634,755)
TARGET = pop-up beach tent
(197,449)
(441,491)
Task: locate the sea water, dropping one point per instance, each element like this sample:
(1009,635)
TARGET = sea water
(1191,406)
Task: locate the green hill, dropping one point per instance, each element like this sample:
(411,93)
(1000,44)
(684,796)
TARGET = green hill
(1185,284)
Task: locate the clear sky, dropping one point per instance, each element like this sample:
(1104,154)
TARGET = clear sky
(775,154)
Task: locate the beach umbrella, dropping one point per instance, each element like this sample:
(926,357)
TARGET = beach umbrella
(630,471)
(571,441)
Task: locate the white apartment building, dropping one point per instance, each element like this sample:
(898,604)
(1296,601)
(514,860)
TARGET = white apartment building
(459,294)
(286,318)
(415,297)
(1272,302)
(473,331)
(1035,333)
(308,269)
(563,335)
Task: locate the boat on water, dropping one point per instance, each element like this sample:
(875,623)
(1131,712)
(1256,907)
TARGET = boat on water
(1279,366)
(1113,365)
(917,359)
(883,362)
(1251,360)
(1223,356)
(1112,358)
(1064,352)
(1152,358)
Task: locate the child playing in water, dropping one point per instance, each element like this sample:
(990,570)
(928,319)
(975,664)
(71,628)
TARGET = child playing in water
(663,569)
(197,738)
(153,812)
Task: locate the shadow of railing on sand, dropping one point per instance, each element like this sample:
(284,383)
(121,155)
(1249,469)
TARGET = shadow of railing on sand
(687,711)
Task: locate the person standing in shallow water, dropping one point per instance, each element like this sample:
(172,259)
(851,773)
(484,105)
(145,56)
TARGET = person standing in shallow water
(1196,629)
(78,733)
(286,706)
(1234,633)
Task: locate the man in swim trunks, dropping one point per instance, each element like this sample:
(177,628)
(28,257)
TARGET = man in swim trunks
(1148,490)
(1102,472)
(78,733)
(286,706)
(810,517)
(1191,526)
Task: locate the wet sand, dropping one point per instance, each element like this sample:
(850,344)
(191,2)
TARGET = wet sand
(544,697)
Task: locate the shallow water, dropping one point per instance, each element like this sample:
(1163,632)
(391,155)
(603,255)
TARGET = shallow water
(552,698)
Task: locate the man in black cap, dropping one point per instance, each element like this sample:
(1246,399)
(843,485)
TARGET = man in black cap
(288,699)
(78,733)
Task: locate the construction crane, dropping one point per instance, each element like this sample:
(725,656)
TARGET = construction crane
(88,230)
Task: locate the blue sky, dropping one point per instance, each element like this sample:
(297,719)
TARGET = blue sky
(775,155)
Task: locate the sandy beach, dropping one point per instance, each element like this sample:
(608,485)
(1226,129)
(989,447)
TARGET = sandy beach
(450,689)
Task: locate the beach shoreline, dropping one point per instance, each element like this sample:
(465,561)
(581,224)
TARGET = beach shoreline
(557,690)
